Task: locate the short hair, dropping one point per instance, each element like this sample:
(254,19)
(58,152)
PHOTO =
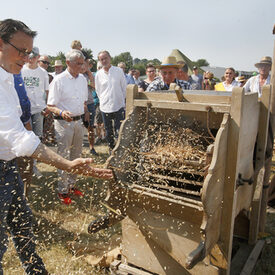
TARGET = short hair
(121,64)
(103,52)
(231,69)
(74,54)
(76,44)
(150,65)
(9,27)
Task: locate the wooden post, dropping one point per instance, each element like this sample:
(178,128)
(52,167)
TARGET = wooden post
(131,94)
(272,82)
(229,200)
(259,165)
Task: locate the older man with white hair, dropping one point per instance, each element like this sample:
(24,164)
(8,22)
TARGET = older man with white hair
(68,94)
(168,72)
(255,83)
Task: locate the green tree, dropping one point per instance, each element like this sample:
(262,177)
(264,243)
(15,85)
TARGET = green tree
(123,57)
(140,67)
(201,62)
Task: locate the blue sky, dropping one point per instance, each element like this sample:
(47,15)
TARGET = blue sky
(233,33)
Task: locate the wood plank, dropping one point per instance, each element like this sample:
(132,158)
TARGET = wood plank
(188,170)
(228,211)
(212,191)
(216,108)
(175,189)
(190,96)
(240,259)
(252,259)
(272,82)
(178,91)
(157,241)
(265,100)
(131,94)
(256,207)
(126,269)
(166,195)
(176,179)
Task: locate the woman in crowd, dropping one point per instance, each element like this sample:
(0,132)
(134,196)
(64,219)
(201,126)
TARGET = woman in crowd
(229,82)
(151,75)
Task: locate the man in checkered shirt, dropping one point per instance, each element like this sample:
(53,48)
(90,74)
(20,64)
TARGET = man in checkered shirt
(168,72)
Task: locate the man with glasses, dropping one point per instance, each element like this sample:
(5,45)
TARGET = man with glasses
(16,42)
(67,100)
(151,75)
(44,62)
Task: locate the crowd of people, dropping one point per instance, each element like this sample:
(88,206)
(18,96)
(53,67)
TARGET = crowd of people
(38,108)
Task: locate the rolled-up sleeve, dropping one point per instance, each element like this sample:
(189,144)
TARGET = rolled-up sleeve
(15,140)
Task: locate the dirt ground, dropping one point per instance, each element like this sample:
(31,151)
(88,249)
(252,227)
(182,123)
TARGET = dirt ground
(61,231)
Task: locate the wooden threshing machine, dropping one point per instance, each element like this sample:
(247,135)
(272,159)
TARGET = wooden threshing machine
(189,171)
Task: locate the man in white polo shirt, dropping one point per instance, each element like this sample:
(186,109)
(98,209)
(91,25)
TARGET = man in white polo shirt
(16,41)
(110,85)
(67,100)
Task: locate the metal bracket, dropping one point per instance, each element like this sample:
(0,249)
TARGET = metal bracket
(240,181)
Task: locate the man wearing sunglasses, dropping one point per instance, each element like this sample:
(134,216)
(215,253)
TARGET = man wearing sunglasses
(16,42)
(44,62)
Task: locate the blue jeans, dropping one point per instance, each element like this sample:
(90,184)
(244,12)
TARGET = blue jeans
(112,123)
(37,124)
(16,218)
(91,109)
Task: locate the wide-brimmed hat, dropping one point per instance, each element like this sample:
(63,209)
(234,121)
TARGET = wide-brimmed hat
(241,79)
(266,60)
(169,62)
(58,63)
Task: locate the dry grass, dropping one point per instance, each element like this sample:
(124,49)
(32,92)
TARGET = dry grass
(61,231)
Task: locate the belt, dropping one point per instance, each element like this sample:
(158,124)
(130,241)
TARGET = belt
(74,118)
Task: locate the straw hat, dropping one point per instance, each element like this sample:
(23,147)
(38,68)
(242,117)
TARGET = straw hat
(266,60)
(58,63)
(170,62)
(241,79)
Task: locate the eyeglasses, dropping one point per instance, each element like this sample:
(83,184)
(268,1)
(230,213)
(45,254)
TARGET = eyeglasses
(21,53)
(45,62)
(151,71)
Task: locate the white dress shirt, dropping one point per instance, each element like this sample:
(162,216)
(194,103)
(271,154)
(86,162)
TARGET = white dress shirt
(15,140)
(253,84)
(36,82)
(69,93)
(111,89)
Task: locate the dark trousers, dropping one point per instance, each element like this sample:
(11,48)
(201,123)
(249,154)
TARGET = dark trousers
(16,218)
(112,123)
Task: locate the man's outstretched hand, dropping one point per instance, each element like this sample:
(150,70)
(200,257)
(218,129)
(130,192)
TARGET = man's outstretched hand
(83,166)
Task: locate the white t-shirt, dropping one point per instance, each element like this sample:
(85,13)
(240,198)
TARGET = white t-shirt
(230,87)
(36,82)
(111,89)
(15,140)
(69,93)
